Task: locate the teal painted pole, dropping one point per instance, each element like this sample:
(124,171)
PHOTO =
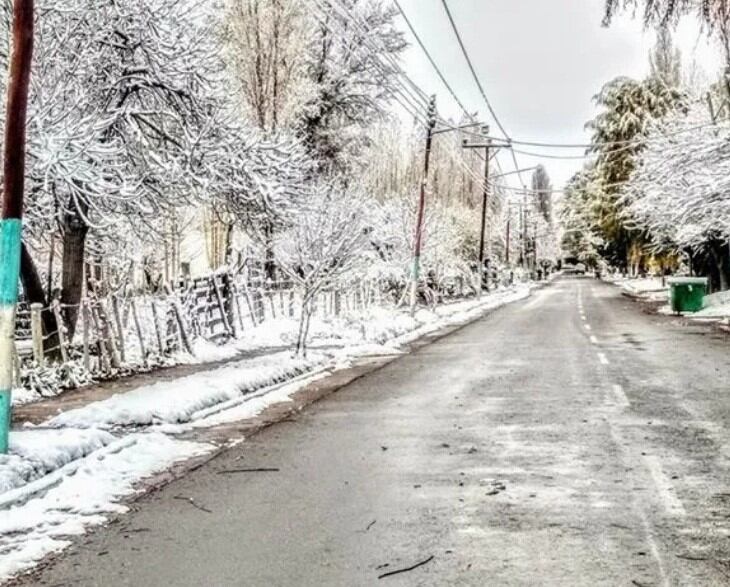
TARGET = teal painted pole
(10,235)
(11,224)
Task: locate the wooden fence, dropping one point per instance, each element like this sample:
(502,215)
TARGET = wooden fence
(120,333)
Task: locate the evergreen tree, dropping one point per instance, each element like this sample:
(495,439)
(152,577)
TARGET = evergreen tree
(542,191)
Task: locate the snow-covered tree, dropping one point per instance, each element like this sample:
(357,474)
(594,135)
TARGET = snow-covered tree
(264,49)
(325,243)
(123,95)
(351,64)
(679,195)
(542,190)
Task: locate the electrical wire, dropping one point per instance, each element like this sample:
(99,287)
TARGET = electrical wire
(404,91)
(480,86)
(431,60)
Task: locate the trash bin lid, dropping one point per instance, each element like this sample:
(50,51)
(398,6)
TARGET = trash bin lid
(687,281)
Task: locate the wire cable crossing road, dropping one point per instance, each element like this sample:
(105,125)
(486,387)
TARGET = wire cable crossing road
(519,450)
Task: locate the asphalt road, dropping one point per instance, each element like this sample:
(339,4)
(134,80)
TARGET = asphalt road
(569,439)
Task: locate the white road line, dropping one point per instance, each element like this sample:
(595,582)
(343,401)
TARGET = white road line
(664,487)
(603,358)
(620,442)
(594,340)
(588,326)
(620,396)
(649,534)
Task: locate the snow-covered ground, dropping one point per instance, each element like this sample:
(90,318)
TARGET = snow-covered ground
(648,288)
(74,470)
(717,306)
(39,518)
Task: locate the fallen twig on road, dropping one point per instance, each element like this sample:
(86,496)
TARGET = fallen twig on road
(250,470)
(692,557)
(398,571)
(191,501)
(370,525)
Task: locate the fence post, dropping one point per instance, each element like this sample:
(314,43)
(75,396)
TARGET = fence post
(85,323)
(270,295)
(137,327)
(259,306)
(108,334)
(36,329)
(16,366)
(181,328)
(222,309)
(251,311)
(158,334)
(237,301)
(61,334)
(228,293)
(120,329)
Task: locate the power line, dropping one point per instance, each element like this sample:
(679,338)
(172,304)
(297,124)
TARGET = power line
(471,68)
(627,142)
(431,60)
(479,84)
(400,92)
(348,14)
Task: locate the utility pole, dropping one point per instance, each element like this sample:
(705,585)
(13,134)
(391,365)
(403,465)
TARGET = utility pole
(416,271)
(509,226)
(485,203)
(12,201)
(523,226)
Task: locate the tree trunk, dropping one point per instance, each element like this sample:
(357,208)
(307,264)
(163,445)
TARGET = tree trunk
(33,288)
(74,245)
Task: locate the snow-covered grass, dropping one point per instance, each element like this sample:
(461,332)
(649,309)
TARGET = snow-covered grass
(86,496)
(646,288)
(35,453)
(716,306)
(174,402)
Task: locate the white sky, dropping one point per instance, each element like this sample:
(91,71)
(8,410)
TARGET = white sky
(540,62)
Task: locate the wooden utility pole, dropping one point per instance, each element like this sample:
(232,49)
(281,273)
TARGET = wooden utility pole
(509,226)
(416,271)
(485,205)
(12,202)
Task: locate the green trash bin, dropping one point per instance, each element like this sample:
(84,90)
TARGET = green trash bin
(687,294)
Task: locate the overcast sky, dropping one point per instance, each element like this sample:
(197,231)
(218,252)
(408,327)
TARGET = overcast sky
(540,61)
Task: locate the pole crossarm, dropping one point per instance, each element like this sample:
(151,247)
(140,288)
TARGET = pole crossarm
(485,128)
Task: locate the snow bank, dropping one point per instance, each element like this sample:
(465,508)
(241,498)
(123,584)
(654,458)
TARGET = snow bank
(41,526)
(717,305)
(174,402)
(35,453)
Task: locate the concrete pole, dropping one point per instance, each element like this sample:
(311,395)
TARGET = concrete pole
(12,204)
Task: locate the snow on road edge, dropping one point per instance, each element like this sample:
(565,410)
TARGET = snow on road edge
(85,498)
